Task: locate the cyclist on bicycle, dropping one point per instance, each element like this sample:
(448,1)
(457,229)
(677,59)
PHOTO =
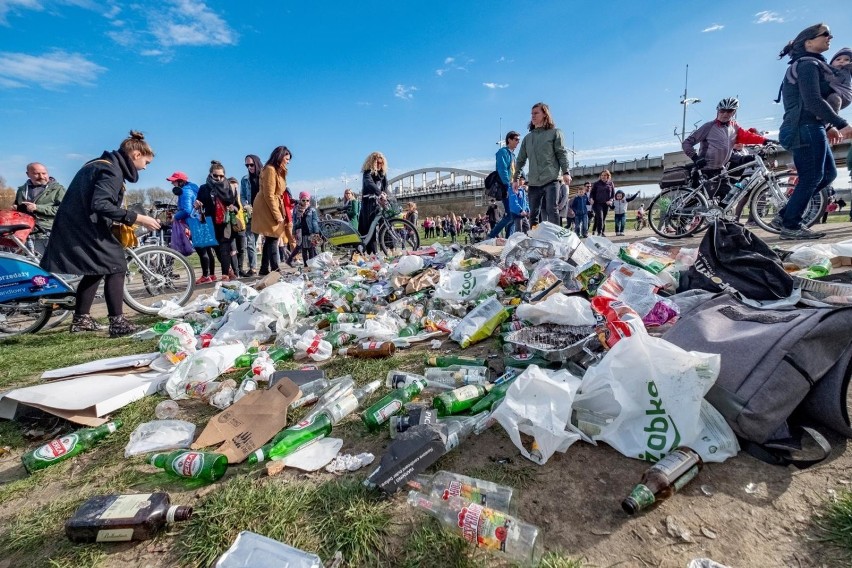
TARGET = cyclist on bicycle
(717,139)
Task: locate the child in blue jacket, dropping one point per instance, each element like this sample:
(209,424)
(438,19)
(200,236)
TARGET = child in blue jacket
(519,207)
(580,207)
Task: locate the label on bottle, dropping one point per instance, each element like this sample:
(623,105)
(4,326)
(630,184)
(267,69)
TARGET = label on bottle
(314,345)
(57,448)
(388,410)
(675,464)
(370,345)
(114,535)
(303,424)
(469,392)
(466,491)
(343,407)
(685,478)
(484,527)
(126,506)
(188,464)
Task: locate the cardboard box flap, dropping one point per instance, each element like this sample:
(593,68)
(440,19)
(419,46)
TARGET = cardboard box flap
(250,422)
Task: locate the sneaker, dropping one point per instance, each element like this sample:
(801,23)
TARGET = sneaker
(202,280)
(85,323)
(120,326)
(799,234)
(212,278)
(777,223)
(244,273)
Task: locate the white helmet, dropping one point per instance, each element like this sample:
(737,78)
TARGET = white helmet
(730,103)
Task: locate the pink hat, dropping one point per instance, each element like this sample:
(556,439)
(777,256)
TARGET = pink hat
(304,195)
(178,175)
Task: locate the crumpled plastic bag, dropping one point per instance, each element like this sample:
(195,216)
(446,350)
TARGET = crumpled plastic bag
(634,286)
(178,342)
(479,323)
(201,367)
(539,404)
(646,398)
(564,241)
(160,435)
(283,300)
(172,310)
(234,291)
(408,264)
(804,256)
(323,261)
(347,462)
(244,323)
(314,456)
(547,272)
(652,254)
(511,243)
(466,286)
(558,308)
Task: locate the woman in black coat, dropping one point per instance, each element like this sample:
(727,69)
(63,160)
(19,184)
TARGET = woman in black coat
(82,241)
(600,198)
(217,188)
(374,184)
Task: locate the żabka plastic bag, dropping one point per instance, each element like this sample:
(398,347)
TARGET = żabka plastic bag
(647,398)
(466,286)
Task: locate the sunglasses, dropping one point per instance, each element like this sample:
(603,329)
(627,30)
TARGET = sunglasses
(217,177)
(249,165)
(826,33)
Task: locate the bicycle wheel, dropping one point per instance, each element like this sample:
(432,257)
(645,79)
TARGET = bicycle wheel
(767,203)
(22,317)
(676,213)
(156,274)
(398,236)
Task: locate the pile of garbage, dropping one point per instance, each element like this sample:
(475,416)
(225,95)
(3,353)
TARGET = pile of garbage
(580,358)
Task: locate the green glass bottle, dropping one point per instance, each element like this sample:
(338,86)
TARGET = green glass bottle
(67,446)
(460,399)
(487,401)
(391,404)
(296,437)
(449,361)
(525,360)
(276,354)
(207,466)
(410,330)
(339,338)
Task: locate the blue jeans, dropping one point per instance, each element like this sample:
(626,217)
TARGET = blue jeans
(251,249)
(619,222)
(505,223)
(814,165)
(581,225)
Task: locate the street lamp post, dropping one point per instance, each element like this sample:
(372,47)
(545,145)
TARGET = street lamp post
(686,102)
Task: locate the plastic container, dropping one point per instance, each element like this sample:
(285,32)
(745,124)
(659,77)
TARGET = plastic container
(251,550)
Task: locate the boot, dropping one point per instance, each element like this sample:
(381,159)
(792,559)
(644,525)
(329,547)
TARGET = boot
(85,322)
(120,326)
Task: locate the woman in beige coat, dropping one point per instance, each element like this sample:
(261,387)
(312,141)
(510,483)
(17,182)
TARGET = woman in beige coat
(271,210)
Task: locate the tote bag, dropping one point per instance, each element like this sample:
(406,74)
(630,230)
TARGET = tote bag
(201,230)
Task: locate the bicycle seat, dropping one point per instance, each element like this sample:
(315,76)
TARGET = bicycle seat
(9,229)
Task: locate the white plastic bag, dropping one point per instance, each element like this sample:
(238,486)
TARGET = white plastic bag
(466,286)
(511,243)
(564,241)
(282,300)
(539,404)
(201,367)
(408,264)
(646,396)
(178,342)
(559,309)
(315,455)
(171,310)
(322,261)
(244,323)
(160,435)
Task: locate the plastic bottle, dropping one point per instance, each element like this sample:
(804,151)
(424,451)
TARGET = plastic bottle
(310,392)
(399,379)
(370,350)
(206,466)
(392,403)
(445,484)
(296,437)
(68,446)
(457,376)
(664,479)
(447,361)
(495,394)
(121,518)
(460,399)
(166,410)
(482,526)
(312,345)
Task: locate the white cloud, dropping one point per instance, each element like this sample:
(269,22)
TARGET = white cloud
(766,17)
(403,92)
(50,71)
(190,22)
(7,6)
(363,103)
(453,64)
(449,60)
(152,52)
(713,28)
(495,85)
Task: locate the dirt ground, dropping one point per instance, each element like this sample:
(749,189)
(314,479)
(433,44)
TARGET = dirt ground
(741,513)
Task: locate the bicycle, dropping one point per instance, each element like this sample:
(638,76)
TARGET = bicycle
(393,234)
(684,209)
(640,223)
(30,294)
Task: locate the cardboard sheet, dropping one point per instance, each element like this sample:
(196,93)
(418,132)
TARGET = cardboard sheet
(102,365)
(83,400)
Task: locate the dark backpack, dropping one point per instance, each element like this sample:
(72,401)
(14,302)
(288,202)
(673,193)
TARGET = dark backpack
(494,187)
(675,177)
(773,362)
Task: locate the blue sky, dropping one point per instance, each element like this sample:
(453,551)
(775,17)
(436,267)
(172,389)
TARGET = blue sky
(425,83)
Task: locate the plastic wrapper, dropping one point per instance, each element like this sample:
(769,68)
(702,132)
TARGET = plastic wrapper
(538,404)
(804,256)
(615,320)
(344,463)
(244,323)
(515,273)
(564,241)
(632,285)
(480,323)
(283,300)
(530,251)
(225,395)
(323,261)
(547,272)
(645,415)
(312,345)
(178,342)
(558,308)
(437,320)
(407,265)
(590,276)
(663,311)
(602,247)
(511,243)
(158,436)
(466,286)
(202,366)
(651,254)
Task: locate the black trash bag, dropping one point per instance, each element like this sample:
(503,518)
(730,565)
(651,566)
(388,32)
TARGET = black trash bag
(732,259)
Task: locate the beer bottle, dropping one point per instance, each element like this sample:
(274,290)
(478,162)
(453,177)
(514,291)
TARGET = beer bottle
(664,479)
(370,350)
(207,466)
(410,330)
(338,338)
(297,437)
(67,446)
(120,518)
(445,484)
(460,399)
(392,403)
(448,361)
(495,394)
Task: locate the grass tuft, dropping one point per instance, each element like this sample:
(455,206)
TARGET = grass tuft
(430,546)
(835,523)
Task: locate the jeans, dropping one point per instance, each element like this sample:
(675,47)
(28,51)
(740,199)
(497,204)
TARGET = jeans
(505,223)
(269,257)
(543,203)
(814,165)
(581,225)
(619,222)
(522,224)
(600,210)
(251,250)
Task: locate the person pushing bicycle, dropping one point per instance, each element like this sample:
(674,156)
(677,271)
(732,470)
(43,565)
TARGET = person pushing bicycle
(717,139)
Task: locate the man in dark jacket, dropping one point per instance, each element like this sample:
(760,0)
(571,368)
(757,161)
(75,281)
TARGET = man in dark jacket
(39,197)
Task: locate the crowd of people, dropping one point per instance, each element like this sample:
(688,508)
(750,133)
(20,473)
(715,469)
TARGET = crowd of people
(226,219)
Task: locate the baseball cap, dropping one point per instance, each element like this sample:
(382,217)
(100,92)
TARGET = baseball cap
(178,175)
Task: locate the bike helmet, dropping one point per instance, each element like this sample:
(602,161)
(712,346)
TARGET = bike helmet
(730,103)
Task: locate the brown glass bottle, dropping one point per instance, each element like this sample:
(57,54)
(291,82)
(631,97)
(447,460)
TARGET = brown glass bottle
(119,518)
(370,350)
(664,479)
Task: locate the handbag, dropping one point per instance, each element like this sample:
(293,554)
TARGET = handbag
(238,220)
(125,235)
(201,229)
(180,239)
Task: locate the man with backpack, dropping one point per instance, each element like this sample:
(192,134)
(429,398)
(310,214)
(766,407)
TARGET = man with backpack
(505,168)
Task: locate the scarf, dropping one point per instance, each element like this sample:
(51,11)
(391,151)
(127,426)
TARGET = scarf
(123,161)
(221,190)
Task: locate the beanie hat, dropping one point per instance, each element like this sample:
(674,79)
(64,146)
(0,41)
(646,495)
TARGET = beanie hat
(304,195)
(847,51)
